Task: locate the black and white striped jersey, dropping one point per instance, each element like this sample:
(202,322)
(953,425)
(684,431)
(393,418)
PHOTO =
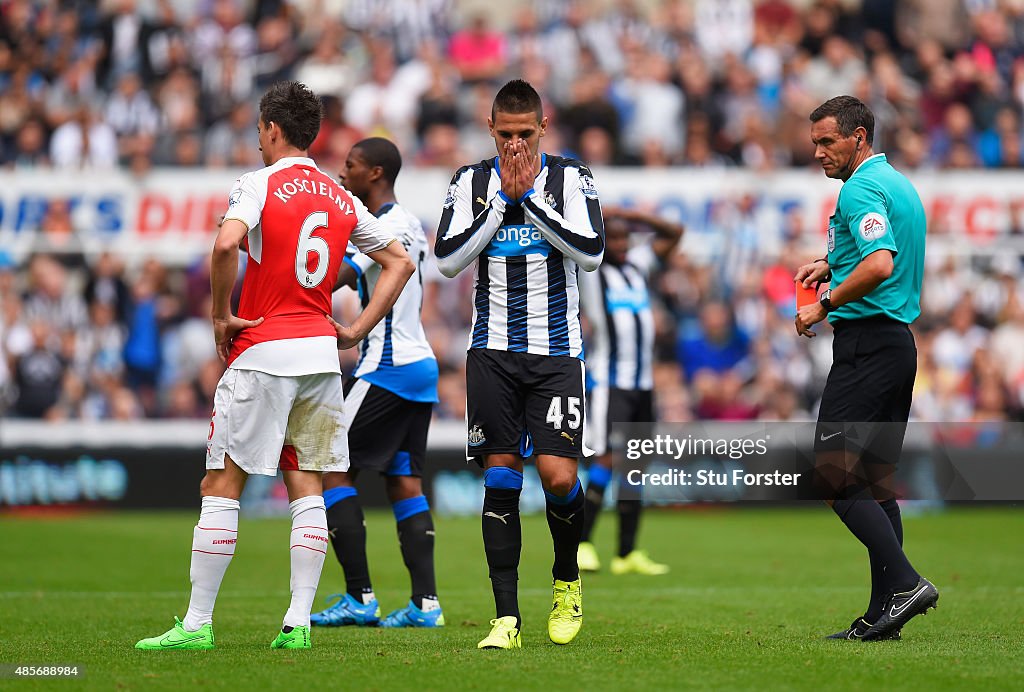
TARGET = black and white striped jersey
(529,252)
(617,305)
(396,354)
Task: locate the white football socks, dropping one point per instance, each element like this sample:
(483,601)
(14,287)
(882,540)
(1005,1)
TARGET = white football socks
(308,547)
(213,546)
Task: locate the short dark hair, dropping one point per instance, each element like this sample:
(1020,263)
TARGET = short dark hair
(850,113)
(378,151)
(295,109)
(517,96)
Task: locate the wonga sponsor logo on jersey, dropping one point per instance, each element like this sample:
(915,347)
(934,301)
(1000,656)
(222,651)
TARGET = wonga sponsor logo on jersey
(510,241)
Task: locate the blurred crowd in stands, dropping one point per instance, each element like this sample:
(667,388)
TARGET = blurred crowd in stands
(696,83)
(97,342)
(138,83)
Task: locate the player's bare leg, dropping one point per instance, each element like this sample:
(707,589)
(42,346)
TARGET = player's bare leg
(403,487)
(213,546)
(503,543)
(416,538)
(308,548)
(565,515)
(226,482)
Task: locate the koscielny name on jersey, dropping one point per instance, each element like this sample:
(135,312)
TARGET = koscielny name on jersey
(288,189)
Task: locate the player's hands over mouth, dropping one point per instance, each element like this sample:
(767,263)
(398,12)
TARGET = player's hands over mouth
(508,172)
(225,329)
(808,316)
(525,167)
(347,336)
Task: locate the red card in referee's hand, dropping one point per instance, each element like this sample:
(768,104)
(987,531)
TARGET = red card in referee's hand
(805,296)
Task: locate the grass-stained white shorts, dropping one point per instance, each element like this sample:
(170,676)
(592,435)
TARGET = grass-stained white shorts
(269,422)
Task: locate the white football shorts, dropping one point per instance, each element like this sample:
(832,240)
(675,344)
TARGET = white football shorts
(266,422)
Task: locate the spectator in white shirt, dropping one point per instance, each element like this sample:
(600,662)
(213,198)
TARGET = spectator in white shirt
(85,141)
(384,103)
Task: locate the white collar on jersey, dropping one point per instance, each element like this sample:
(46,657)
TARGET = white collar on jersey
(873,156)
(292,160)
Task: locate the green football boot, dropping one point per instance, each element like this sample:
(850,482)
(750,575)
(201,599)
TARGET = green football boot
(586,557)
(179,638)
(298,638)
(566,615)
(504,635)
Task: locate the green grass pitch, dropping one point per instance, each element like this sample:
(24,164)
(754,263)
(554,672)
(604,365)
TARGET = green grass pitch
(750,594)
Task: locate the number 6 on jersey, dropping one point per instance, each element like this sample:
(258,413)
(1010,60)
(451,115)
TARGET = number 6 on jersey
(310,243)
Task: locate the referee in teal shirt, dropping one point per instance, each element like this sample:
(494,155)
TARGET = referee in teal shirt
(875,265)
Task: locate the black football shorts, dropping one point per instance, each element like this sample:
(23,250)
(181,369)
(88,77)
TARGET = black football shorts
(523,403)
(869,389)
(386,433)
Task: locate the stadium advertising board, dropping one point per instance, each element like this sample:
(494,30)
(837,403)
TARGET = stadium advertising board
(668,465)
(122,477)
(98,478)
(173,212)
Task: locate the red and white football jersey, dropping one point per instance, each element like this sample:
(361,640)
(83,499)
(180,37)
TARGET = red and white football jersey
(300,221)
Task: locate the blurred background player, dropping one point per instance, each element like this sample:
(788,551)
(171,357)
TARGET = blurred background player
(388,406)
(531,221)
(279,404)
(620,358)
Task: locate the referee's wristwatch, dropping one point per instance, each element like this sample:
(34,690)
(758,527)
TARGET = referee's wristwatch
(826,300)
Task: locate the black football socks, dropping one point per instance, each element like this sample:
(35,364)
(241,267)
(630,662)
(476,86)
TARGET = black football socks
(597,480)
(565,520)
(416,538)
(871,524)
(347,529)
(879,588)
(503,536)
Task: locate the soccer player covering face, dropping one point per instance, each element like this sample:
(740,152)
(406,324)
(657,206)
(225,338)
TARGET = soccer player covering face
(875,264)
(529,221)
(620,354)
(388,405)
(279,403)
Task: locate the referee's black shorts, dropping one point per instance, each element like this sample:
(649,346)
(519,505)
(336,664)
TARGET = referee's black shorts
(874,364)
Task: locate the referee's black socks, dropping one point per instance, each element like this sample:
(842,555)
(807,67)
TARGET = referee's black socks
(873,527)
(503,536)
(347,529)
(879,587)
(565,520)
(892,510)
